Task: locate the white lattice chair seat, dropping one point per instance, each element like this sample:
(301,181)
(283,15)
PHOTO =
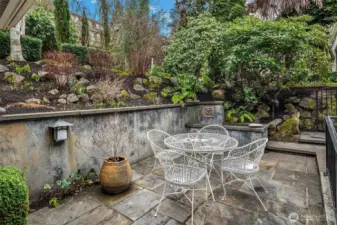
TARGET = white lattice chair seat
(184,175)
(241,166)
(168,154)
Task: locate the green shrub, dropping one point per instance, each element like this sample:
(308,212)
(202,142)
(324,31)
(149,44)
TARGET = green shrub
(14,203)
(80,51)
(31,48)
(4,43)
(39,24)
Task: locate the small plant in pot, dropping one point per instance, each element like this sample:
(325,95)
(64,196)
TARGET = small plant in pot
(110,138)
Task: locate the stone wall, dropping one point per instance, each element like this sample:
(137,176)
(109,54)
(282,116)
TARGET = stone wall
(95,29)
(26,141)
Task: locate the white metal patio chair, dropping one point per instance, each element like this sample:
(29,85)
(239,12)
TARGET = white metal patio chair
(184,174)
(156,138)
(243,163)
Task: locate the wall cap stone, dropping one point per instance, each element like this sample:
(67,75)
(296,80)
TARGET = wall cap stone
(89,112)
(232,127)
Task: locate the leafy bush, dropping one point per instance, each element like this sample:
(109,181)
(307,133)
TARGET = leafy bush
(5,44)
(22,70)
(239,114)
(14,203)
(80,51)
(108,90)
(39,24)
(266,56)
(61,65)
(31,48)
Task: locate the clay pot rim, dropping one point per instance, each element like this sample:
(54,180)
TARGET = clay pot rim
(124,159)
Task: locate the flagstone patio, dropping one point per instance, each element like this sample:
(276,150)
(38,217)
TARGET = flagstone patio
(292,182)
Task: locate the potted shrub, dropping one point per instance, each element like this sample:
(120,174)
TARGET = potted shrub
(116,173)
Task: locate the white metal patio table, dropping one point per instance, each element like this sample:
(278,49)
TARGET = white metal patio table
(204,145)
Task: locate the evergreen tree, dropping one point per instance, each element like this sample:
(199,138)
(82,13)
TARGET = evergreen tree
(85,30)
(62,20)
(227,10)
(105,21)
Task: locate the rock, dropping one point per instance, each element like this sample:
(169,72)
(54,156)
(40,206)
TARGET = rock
(306,114)
(87,67)
(13,78)
(138,81)
(189,100)
(290,108)
(2,111)
(53,92)
(273,124)
(3,68)
(138,87)
(80,84)
(294,100)
(95,97)
(290,127)
(154,82)
(261,113)
(62,101)
(42,73)
(308,103)
(84,98)
(91,89)
(308,124)
(45,100)
(151,97)
(167,91)
(72,98)
(33,101)
(218,94)
(63,96)
(134,96)
(174,81)
(265,107)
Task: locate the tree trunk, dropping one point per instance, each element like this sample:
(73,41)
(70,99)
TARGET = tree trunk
(16,49)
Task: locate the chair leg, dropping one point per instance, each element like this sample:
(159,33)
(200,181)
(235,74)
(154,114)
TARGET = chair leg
(161,199)
(192,204)
(223,185)
(206,197)
(258,180)
(210,187)
(154,165)
(252,187)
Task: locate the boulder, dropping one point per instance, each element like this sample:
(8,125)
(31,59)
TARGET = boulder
(154,82)
(80,84)
(261,113)
(45,100)
(138,81)
(134,96)
(42,74)
(13,78)
(290,127)
(91,89)
(294,100)
(3,68)
(2,111)
(87,67)
(63,96)
(290,108)
(84,98)
(33,101)
(53,92)
(273,124)
(138,87)
(308,103)
(62,101)
(308,124)
(72,98)
(218,94)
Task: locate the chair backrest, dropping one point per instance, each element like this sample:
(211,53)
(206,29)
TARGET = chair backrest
(210,131)
(214,129)
(250,153)
(156,138)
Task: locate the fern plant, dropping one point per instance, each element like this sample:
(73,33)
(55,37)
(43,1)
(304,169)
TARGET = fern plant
(239,115)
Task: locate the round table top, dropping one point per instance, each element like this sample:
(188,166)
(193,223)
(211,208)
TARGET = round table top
(201,142)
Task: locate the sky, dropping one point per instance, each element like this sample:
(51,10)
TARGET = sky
(155,5)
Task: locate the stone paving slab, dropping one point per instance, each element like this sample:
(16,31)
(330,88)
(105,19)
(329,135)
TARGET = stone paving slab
(150,181)
(175,209)
(150,218)
(98,215)
(69,210)
(138,204)
(292,166)
(117,219)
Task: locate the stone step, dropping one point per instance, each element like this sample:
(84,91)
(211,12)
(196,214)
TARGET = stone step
(312,137)
(295,147)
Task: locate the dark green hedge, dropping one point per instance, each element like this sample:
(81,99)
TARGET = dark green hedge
(5,44)
(31,47)
(80,51)
(14,202)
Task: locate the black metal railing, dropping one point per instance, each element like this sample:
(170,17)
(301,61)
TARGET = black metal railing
(331,151)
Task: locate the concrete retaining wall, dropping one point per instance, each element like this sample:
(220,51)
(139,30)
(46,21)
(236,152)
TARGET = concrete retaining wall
(26,141)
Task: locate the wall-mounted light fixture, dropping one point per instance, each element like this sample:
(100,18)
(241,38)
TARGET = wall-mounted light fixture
(60,130)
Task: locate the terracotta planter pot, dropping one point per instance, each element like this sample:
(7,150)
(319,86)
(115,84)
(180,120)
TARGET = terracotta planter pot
(115,177)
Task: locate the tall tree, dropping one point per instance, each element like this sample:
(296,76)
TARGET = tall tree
(227,10)
(85,29)
(62,20)
(325,15)
(105,8)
